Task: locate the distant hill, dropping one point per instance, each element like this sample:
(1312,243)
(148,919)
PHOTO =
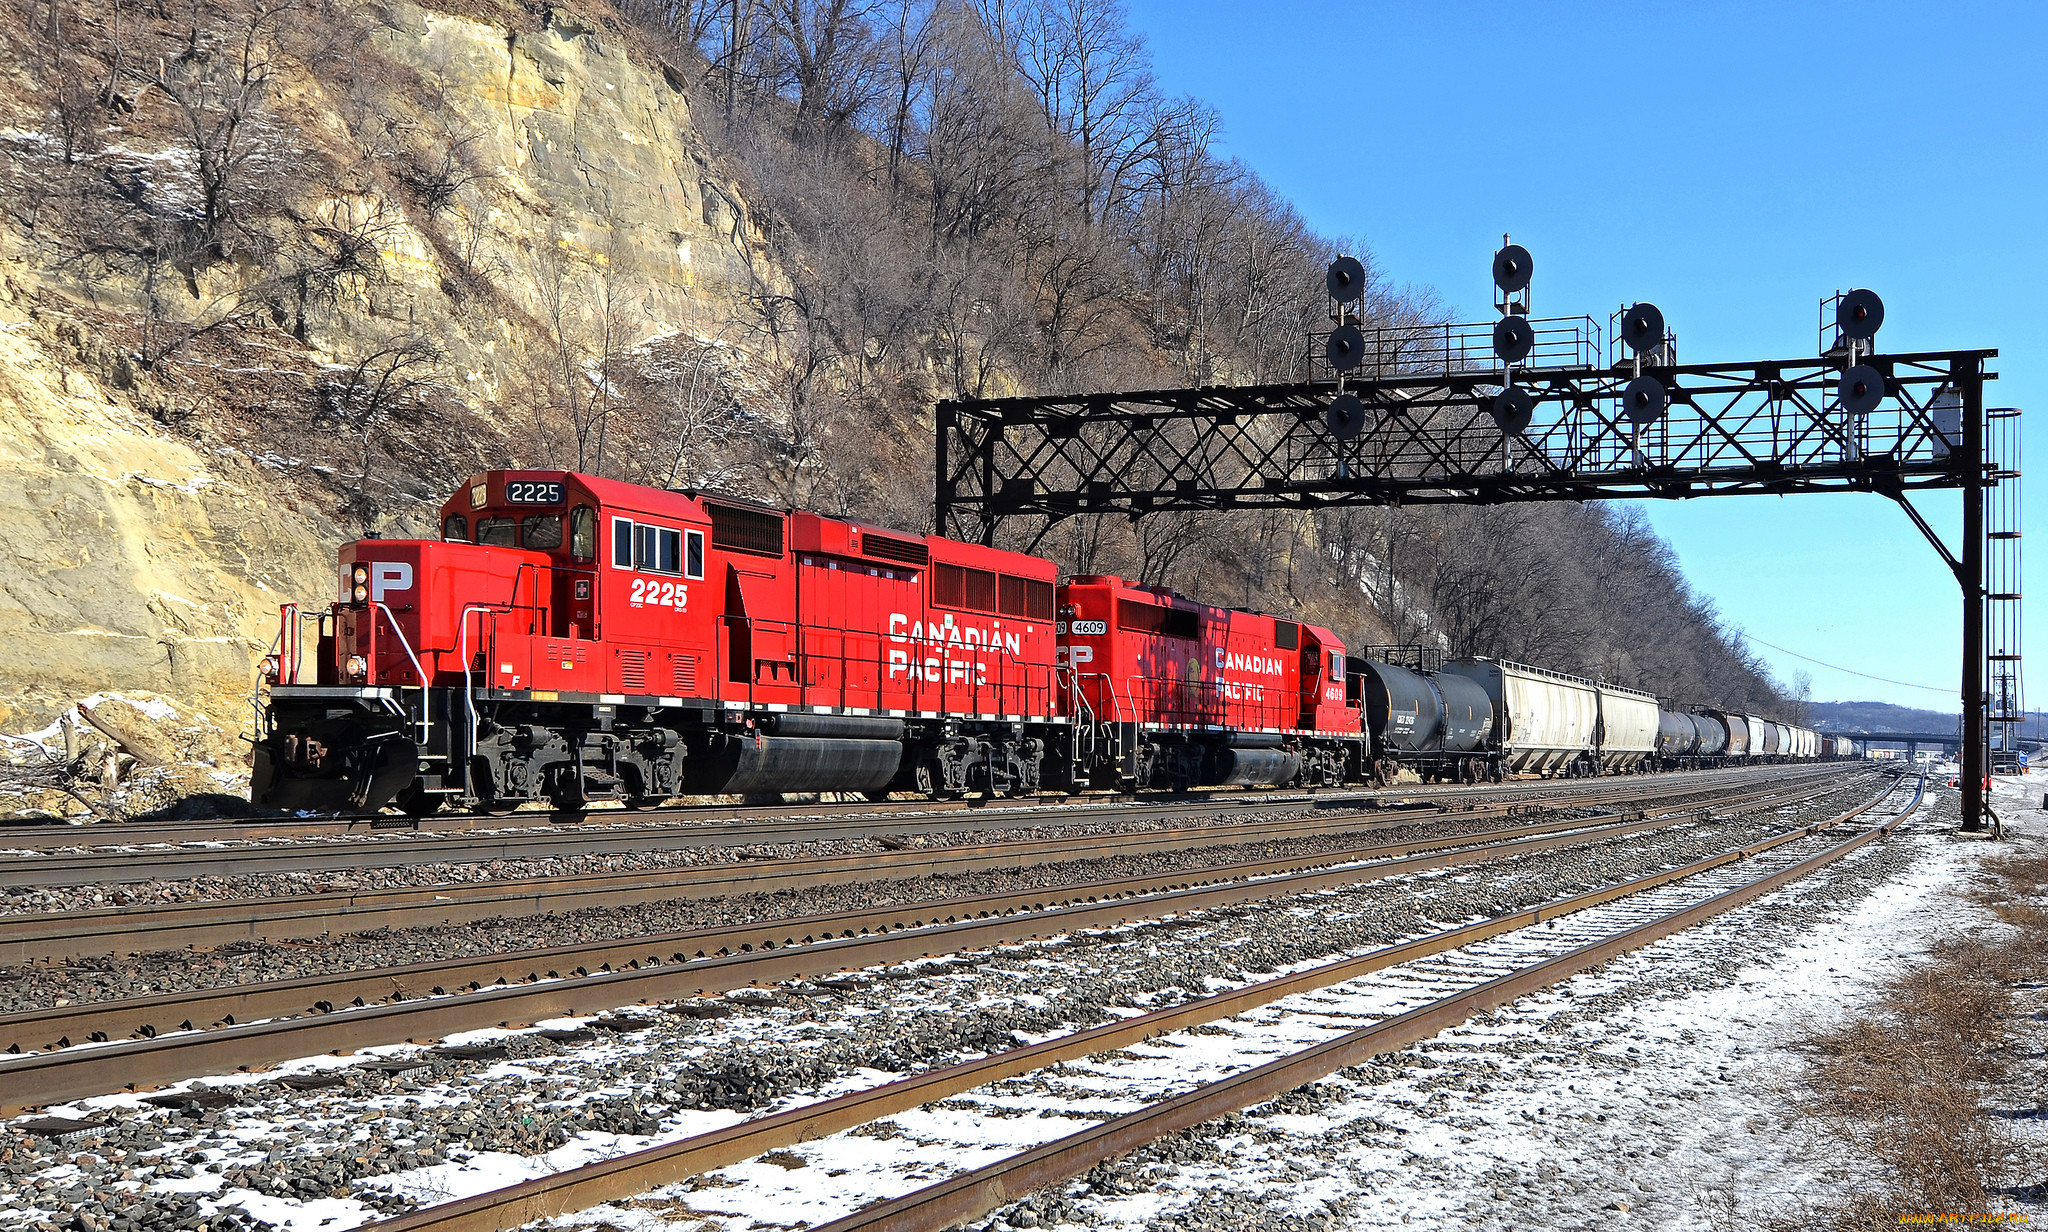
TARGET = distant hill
(1879,716)
(1883,716)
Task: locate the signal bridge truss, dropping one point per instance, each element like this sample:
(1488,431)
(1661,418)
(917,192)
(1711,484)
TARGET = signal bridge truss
(1433,438)
(1531,409)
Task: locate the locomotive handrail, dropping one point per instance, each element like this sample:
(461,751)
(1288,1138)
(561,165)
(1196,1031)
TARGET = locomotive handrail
(1210,693)
(420,673)
(1131,749)
(1010,670)
(288,643)
(469,692)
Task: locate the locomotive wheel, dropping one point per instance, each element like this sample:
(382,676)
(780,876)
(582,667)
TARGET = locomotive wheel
(930,783)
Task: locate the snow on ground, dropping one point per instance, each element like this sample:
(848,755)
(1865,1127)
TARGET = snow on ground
(1657,1089)
(1653,1091)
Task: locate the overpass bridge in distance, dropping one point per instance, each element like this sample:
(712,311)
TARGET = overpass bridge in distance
(1950,741)
(1947,741)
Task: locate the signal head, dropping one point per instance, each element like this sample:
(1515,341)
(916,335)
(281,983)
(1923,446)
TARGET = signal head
(1644,400)
(1642,328)
(1346,418)
(1346,280)
(1345,348)
(1513,338)
(1512,267)
(1858,314)
(1513,409)
(1861,390)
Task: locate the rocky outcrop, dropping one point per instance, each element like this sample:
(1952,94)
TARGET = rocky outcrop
(149,551)
(133,559)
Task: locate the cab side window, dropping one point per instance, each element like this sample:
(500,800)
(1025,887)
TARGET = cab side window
(455,529)
(657,549)
(583,533)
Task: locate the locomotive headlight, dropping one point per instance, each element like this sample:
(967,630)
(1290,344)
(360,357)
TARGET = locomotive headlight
(359,582)
(361,594)
(356,668)
(270,668)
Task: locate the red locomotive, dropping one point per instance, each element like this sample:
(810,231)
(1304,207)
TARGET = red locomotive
(572,639)
(1172,693)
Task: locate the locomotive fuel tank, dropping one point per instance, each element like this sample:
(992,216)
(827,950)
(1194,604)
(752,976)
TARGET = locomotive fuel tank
(1242,767)
(817,752)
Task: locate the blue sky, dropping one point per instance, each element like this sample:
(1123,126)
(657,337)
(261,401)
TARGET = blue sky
(1732,163)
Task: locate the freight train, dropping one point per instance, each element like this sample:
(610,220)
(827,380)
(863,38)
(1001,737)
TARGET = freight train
(570,639)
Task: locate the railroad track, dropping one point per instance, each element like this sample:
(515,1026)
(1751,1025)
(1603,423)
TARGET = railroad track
(44,937)
(197,856)
(340,1012)
(1716,886)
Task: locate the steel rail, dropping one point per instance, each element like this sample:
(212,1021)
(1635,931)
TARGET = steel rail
(688,965)
(148,1016)
(48,833)
(38,937)
(973,1194)
(764,821)
(984,1189)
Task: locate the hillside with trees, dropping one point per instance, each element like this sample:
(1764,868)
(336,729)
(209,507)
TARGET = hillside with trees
(346,253)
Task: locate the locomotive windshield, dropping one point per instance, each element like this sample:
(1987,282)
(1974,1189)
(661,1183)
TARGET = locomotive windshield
(541,532)
(496,532)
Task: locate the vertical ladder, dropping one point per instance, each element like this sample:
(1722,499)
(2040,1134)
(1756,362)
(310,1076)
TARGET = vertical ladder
(2006,702)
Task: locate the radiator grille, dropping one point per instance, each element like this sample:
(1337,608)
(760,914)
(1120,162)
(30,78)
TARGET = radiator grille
(633,671)
(686,675)
(745,530)
(910,552)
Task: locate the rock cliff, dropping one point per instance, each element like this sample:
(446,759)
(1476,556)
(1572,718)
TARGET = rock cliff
(522,194)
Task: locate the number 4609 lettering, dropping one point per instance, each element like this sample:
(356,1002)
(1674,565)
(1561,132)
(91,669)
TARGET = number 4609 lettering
(661,594)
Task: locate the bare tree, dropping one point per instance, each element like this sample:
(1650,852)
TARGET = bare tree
(390,376)
(220,86)
(698,420)
(1089,72)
